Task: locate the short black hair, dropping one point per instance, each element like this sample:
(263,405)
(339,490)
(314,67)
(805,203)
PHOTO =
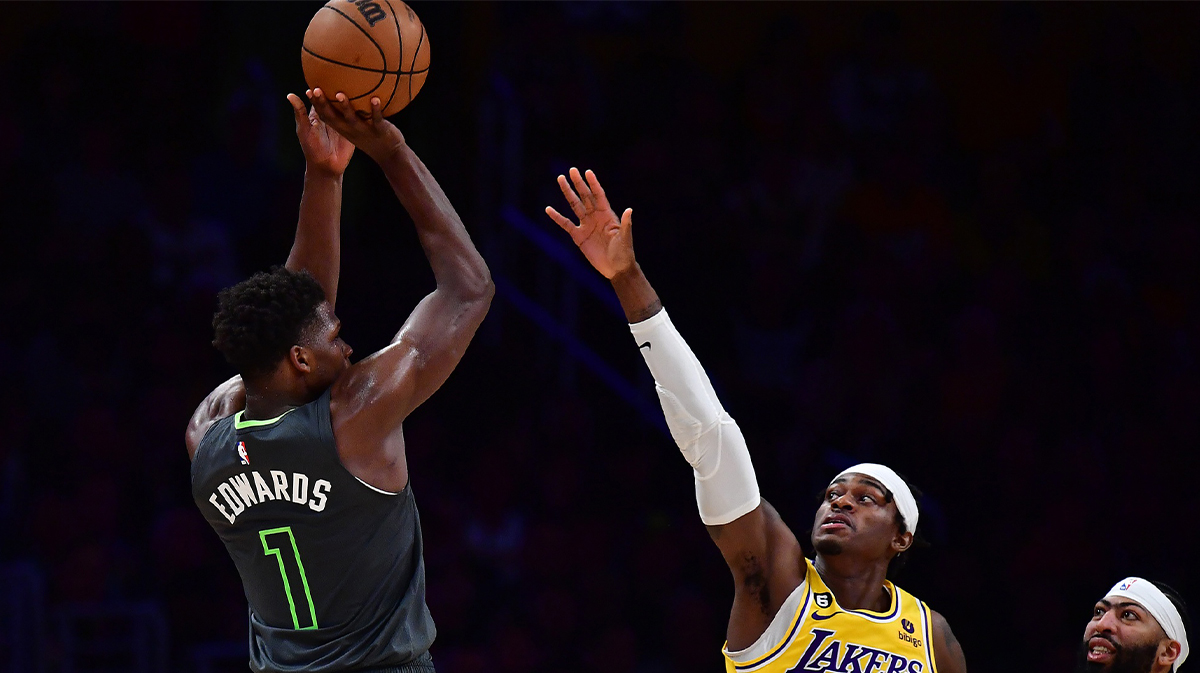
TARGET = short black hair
(261,318)
(1176,600)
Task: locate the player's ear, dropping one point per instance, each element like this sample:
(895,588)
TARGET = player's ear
(902,542)
(300,359)
(1168,652)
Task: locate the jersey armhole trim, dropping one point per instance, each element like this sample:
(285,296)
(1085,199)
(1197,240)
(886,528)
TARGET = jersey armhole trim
(377,490)
(926,620)
(757,661)
(195,458)
(326,430)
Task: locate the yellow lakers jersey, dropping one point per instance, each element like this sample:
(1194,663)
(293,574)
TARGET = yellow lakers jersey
(812,633)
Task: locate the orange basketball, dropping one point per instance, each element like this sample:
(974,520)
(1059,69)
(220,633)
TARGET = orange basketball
(365,49)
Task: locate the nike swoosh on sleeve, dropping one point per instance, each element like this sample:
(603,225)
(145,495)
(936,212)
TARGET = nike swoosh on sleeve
(645,345)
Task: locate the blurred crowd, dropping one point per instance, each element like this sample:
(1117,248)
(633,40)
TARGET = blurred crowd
(958,239)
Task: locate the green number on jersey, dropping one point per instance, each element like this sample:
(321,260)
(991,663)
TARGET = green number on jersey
(284,539)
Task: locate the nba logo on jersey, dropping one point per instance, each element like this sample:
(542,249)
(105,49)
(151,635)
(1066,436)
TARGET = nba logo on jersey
(824,600)
(245,457)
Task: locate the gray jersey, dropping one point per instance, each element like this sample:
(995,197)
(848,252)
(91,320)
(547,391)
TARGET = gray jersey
(332,567)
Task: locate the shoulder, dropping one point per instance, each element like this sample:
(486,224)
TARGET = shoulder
(379,375)
(225,400)
(946,648)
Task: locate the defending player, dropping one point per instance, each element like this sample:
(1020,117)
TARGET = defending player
(302,470)
(1138,627)
(836,612)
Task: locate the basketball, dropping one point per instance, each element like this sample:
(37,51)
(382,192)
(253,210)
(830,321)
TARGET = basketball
(365,49)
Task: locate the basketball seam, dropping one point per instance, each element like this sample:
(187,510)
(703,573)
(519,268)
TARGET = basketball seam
(382,56)
(360,67)
(416,51)
(399,55)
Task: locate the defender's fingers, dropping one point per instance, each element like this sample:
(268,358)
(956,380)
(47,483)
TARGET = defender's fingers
(561,221)
(597,190)
(581,186)
(627,218)
(572,199)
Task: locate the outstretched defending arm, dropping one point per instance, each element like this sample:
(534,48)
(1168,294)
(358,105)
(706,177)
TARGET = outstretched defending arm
(761,552)
(371,400)
(317,248)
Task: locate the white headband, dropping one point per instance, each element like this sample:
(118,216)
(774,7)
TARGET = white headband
(905,502)
(1159,606)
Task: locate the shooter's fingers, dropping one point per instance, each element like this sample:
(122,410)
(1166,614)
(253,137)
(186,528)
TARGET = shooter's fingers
(597,191)
(376,111)
(572,199)
(322,106)
(341,103)
(561,221)
(585,192)
(329,109)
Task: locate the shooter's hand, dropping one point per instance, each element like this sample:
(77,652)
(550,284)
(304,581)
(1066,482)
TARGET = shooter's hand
(606,242)
(374,135)
(324,149)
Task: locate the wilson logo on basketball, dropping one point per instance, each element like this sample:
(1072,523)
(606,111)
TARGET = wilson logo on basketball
(371,11)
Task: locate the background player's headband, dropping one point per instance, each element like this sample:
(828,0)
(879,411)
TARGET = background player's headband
(1159,606)
(905,502)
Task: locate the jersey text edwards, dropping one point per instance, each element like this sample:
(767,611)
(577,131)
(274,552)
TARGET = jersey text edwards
(243,491)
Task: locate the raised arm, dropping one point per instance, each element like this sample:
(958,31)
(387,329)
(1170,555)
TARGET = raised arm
(762,553)
(372,399)
(318,245)
(317,248)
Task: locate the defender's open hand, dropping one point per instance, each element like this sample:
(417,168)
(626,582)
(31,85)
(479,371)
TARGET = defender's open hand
(324,148)
(606,242)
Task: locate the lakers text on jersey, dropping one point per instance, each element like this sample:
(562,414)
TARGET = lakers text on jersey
(812,633)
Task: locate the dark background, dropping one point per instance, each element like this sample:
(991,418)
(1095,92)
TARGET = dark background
(960,239)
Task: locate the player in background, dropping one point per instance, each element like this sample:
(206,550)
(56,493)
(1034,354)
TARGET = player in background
(837,612)
(299,463)
(1138,627)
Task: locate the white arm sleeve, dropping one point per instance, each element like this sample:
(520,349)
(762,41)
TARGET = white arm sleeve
(708,437)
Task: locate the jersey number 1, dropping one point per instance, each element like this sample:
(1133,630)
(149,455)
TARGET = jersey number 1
(292,571)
